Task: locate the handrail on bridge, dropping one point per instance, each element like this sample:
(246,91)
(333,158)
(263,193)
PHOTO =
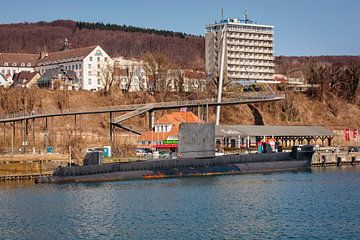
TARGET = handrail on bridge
(84,110)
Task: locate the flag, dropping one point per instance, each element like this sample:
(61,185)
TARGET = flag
(355,134)
(183,109)
(347,134)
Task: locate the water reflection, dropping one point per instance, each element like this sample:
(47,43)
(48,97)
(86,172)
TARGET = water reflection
(282,205)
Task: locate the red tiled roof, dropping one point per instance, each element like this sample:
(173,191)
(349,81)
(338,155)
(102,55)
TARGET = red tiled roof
(175,119)
(34,59)
(77,53)
(18,58)
(178,117)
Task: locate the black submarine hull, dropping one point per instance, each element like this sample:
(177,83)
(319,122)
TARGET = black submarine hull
(170,168)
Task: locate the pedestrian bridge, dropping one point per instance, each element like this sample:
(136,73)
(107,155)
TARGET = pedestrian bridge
(137,109)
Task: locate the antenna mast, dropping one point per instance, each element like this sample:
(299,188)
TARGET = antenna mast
(221,77)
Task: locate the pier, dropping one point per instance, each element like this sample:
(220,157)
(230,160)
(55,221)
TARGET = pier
(335,158)
(30,166)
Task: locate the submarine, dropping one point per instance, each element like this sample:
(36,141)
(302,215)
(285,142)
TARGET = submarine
(197,148)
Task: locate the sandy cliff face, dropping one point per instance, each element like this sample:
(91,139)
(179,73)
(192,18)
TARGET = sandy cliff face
(93,130)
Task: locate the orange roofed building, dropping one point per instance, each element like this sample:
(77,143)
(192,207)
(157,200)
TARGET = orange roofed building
(164,135)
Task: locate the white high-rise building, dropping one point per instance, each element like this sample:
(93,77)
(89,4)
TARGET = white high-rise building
(248,50)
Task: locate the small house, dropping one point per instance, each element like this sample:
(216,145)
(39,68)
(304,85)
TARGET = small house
(59,78)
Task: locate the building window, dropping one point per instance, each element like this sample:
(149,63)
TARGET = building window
(22,64)
(98,65)
(89,73)
(98,74)
(14,64)
(90,59)
(3,71)
(98,59)
(89,66)
(106,59)
(89,81)
(98,82)
(28,64)
(6,64)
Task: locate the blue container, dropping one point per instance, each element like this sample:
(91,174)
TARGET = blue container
(107,151)
(49,150)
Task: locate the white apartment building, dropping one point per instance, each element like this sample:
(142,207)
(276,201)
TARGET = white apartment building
(11,63)
(89,64)
(248,50)
(131,74)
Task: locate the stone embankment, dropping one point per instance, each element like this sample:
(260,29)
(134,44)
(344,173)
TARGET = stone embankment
(335,157)
(30,166)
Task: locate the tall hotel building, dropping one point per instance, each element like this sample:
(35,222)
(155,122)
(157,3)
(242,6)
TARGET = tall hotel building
(248,50)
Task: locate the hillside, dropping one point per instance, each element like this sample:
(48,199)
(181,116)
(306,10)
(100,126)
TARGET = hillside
(128,41)
(335,103)
(296,109)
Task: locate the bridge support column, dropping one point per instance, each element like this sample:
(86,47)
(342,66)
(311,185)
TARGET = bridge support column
(111,128)
(52,132)
(33,133)
(151,119)
(75,125)
(13,139)
(199,113)
(4,136)
(207,113)
(26,135)
(21,134)
(46,134)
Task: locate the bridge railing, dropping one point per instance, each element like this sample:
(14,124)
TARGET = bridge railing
(42,112)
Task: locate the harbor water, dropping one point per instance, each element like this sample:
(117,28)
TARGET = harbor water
(322,203)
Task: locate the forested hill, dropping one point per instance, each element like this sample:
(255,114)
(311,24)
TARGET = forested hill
(118,40)
(182,49)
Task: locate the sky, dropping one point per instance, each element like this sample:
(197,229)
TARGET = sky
(302,27)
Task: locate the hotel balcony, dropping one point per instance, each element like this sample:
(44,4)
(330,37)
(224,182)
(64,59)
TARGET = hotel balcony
(247,43)
(248,37)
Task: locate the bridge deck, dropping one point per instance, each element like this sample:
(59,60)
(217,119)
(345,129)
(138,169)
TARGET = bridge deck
(243,99)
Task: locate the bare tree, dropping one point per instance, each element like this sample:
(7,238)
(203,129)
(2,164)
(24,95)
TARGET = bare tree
(157,69)
(107,77)
(179,80)
(129,74)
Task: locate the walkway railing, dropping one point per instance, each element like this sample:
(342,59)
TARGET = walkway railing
(40,113)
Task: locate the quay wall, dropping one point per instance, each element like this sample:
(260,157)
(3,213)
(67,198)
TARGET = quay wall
(323,158)
(23,167)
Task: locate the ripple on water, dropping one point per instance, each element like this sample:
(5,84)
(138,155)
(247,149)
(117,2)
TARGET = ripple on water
(306,205)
